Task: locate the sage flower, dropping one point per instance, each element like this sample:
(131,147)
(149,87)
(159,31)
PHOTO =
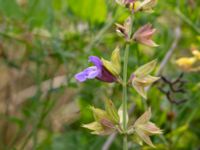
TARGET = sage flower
(141,78)
(144,128)
(106,121)
(102,70)
(144,35)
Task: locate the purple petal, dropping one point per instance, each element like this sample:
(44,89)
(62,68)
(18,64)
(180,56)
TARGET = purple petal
(104,74)
(81,77)
(88,73)
(96,61)
(92,72)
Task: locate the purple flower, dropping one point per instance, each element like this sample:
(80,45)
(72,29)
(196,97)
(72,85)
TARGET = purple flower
(97,71)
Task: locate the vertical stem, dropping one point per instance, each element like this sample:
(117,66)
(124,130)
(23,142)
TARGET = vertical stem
(124,100)
(125,143)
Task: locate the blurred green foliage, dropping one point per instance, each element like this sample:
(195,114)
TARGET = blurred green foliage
(43,39)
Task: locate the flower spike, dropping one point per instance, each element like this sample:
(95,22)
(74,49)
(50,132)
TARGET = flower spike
(144,35)
(141,78)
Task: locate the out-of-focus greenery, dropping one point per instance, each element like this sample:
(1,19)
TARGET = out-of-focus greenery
(43,43)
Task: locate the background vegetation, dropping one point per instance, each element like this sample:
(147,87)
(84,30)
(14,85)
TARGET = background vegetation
(43,43)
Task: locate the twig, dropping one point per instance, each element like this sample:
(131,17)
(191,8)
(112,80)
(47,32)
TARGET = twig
(171,100)
(173,84)
(111,138)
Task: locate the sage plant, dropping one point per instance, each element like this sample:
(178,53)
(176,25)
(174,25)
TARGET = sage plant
(112,119)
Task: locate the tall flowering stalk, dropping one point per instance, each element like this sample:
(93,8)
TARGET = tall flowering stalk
(112,120)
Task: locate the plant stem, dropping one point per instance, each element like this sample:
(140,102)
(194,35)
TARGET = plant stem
(125,143)
(124,102)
